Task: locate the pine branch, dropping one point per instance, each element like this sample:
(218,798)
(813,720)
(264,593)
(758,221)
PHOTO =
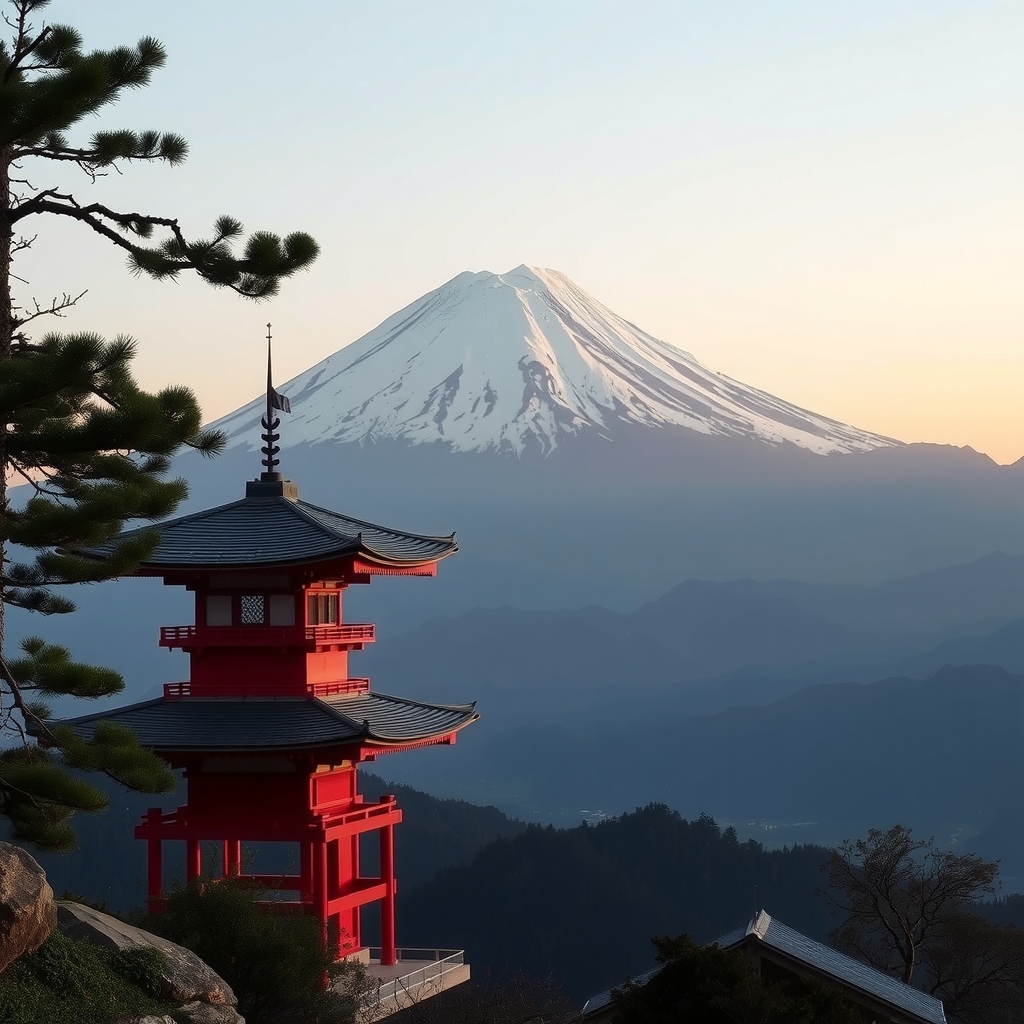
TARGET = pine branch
(140,223)
(27,713)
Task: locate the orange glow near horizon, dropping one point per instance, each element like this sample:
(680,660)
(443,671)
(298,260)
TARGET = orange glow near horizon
(822,201)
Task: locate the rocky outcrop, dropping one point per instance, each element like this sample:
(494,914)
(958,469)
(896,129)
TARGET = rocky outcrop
(185,978)
(204,1013)
(27,913)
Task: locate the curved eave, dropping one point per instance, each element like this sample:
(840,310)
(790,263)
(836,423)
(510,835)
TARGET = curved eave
(279,725)
(362,553)
(459,716)
(372,560)
(382,740)
(279,533)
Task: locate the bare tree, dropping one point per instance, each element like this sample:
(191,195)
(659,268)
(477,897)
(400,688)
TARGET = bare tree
(897,893)
(977,969)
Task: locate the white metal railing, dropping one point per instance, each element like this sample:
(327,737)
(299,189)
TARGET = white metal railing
(439,962)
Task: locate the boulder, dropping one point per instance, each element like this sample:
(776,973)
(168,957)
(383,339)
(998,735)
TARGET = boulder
(204,1013)
(185,978)
(150,1018)
(27,913)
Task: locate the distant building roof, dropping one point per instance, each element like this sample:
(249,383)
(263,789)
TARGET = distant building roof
(251,723)
(766,932)
(277,529)
(774,935)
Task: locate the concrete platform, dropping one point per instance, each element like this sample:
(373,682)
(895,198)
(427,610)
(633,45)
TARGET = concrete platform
(419,974)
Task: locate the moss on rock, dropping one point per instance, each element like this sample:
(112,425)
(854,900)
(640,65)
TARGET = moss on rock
(78,983)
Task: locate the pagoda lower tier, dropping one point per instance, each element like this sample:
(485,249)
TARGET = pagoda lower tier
(284,770)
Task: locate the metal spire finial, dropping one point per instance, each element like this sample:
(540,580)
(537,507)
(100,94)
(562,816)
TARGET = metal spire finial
(270,422)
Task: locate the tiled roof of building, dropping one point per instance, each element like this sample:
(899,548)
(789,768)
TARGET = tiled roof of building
(279,530)
(777,936)
(248,723)
(774,934)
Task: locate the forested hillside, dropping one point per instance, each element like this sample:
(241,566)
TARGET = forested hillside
(582,904)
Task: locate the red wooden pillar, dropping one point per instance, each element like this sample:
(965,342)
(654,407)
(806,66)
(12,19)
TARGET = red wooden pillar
(388,953)
(356,915)
(232,857)
(154,860)
(193,859)
(320,897)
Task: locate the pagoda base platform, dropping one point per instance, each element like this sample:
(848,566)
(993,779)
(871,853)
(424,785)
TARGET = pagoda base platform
(419,974)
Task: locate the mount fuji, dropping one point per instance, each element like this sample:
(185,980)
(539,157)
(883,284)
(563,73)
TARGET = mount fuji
(582,460)
(522,362)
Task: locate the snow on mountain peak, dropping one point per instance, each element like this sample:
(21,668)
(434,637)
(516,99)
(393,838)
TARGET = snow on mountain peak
(519,361)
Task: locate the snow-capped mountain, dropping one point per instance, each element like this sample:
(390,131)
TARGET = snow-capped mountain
(520,361)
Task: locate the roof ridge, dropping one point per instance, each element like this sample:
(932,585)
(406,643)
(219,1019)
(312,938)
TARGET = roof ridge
(366,524)
(361,727)
(103,714)
(297,507)
(188,517)
(759,924)
(417,703)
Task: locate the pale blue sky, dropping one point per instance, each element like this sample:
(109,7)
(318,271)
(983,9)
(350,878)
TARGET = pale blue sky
(821,199)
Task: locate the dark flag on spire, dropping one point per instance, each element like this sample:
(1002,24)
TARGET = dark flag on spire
(277,400)
(270,422)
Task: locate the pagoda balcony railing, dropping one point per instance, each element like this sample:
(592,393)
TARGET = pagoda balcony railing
(359,811)
(338,687)
(335,688)
(350,634)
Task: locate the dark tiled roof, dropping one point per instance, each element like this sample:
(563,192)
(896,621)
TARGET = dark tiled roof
(247,723)
(279,531)
(769,932)
(777,936)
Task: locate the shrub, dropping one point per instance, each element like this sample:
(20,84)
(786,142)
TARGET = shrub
(275,962)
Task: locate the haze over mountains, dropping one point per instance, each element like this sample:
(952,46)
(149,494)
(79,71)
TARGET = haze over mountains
(705,646)
(643,541)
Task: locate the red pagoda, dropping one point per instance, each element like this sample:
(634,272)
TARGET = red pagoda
(270,727)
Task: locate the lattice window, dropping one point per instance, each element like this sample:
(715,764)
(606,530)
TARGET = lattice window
(251,609)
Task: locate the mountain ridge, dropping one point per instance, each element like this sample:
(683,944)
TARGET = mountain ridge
(938,749)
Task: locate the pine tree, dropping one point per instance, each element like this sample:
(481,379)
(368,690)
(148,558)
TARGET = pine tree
(75,427)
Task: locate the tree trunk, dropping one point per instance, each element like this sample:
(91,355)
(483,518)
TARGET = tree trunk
(7,328)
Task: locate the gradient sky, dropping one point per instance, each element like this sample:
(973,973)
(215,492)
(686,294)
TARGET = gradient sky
(825,201)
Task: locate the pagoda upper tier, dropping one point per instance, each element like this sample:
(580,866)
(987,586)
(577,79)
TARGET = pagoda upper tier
(272,528)
(269,573)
